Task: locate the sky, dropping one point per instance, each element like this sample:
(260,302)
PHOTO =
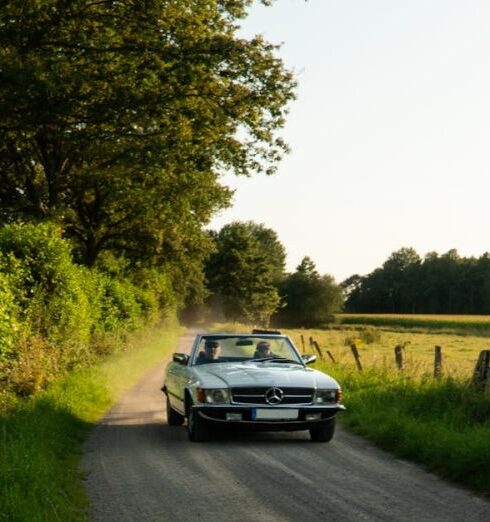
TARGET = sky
(389,134)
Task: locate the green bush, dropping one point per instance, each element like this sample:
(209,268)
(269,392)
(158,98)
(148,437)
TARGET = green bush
(56,316)
(9,318)
(159,285)
(51,293)
(365,335)
(120,308)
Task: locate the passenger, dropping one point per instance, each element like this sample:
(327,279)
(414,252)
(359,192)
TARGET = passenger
(263,350)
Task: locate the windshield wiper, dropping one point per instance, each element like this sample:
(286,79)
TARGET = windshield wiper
(274,359)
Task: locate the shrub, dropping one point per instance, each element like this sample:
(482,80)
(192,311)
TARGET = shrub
(51,293)
(9,320)
(119,307)
(366,335)
(56,316)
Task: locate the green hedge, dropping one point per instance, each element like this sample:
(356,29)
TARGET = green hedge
(56,316)
(9,318)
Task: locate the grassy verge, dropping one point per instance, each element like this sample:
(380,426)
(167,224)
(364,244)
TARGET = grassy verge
(41,438)
(442,424)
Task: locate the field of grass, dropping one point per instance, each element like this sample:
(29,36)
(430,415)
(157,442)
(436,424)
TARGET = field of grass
(473,324)
(460,352)
(444,424)
(41,438)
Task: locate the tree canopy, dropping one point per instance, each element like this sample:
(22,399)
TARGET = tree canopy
(242,270)
(117,119)
(310,299)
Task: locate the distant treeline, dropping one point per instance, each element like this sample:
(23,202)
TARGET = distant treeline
(435,284)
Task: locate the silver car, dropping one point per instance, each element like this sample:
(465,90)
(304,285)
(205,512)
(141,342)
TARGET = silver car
(249,382)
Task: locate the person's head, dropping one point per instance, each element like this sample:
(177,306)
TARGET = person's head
(212,349)
(263,349)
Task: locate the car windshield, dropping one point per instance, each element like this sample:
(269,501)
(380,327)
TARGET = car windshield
(219,349)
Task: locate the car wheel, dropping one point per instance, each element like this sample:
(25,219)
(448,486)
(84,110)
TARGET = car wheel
(323,432)
(174,418)
(197,430)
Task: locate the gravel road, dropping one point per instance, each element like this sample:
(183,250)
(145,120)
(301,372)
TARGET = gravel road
(139,468)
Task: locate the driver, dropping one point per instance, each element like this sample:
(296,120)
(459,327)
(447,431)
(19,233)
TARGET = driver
(212,351)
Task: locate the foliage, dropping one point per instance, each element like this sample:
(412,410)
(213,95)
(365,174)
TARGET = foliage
(41,437)
(310,299)
(9,316)
(241,273)
(56,316)
(270,244)
(436,284)
(118,117)
(124,306)
(366,335)
(50,294)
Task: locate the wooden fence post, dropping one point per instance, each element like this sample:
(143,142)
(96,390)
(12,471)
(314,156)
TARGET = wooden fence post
(355,353)
(399,356)
(481,375)
(329,353)
(303,343)
(311,342)
(317,347)
(437,362)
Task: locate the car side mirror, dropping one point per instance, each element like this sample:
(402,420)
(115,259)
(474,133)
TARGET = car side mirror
(309,358)
(180,358)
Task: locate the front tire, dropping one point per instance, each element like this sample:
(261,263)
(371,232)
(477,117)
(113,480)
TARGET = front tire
(323,432)
(174,418)
(197,430)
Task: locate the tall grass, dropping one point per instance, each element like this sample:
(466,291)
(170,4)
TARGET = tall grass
(41,438)
(442,424)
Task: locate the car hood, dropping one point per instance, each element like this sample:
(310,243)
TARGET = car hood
(262,374)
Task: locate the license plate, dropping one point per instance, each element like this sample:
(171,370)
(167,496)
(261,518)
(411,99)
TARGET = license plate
(279,414)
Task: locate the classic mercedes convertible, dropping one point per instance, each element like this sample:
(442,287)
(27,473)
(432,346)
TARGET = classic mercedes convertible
(249,381)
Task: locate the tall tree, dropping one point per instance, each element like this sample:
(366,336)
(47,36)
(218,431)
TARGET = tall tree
(400,273)
(310,298)
(270,245)
(241,273)
(116,118)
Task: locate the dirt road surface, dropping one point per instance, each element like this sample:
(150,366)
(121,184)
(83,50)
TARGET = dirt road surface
(139,468)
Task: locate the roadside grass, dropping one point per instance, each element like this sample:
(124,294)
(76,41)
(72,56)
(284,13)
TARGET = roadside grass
(442,424)
(41,438)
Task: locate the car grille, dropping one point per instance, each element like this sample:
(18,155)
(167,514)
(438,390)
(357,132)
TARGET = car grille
(257,395)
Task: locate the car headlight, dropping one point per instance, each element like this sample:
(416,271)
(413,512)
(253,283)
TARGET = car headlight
(327,396)
(213,395)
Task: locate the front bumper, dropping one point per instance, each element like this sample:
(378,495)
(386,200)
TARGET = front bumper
(217,414)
